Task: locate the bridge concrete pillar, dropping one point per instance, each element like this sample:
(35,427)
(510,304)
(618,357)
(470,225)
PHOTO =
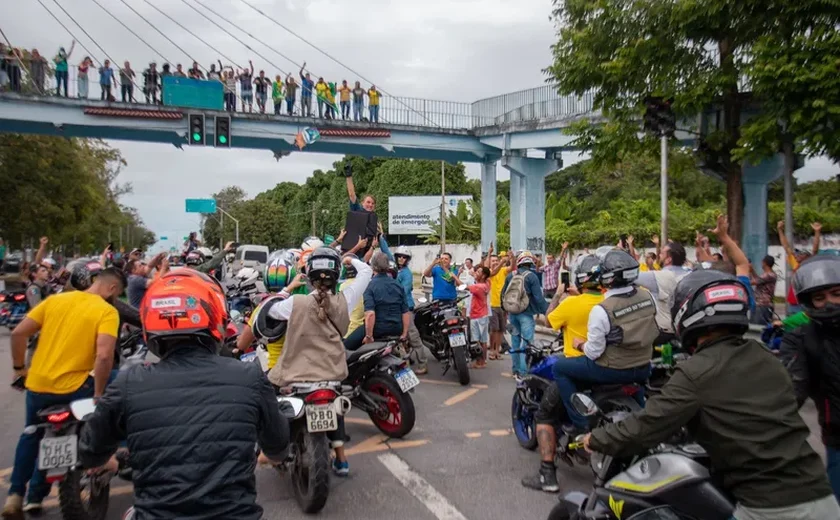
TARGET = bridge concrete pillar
(488,204)
(527,200)
(756,178)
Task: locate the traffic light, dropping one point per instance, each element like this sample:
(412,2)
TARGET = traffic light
(196,135)
(222,134)
(659,118)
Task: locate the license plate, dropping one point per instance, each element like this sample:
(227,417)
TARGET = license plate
(321,418)
(407,379)
(58,452)
(250,357)
(457,340)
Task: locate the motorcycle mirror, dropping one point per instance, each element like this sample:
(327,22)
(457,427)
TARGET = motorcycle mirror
(422,299)
(584,405)
(462,287)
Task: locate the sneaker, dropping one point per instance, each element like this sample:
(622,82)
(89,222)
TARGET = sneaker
(33,508)
(420,370)
(342,469)
(13,510)
(545,480)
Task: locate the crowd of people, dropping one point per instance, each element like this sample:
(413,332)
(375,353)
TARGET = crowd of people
(241,86)
(615,305)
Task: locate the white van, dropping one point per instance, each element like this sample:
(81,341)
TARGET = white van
(250,256)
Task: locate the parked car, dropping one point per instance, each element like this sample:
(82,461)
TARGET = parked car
(248,255)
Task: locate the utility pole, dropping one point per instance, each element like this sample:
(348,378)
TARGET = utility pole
(790,165)
(442,209)
(663,190)
(235,221)
(221,230)
(660,121)
(313,219)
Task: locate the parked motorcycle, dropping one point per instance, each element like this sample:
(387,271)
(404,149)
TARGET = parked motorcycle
(446,333)
(669,482)
(13,307)
(313,410)
(80,496)
(379,383)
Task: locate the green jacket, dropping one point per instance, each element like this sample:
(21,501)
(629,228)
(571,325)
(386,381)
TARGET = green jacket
(737,401)
(213,263)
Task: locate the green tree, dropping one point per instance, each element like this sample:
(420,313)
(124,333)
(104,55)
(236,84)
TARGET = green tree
(694,52)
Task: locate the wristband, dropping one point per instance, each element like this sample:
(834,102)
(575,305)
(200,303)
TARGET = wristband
(19,368)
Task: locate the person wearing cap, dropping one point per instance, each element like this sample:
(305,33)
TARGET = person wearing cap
(524,323)
(737,402)
(811,352)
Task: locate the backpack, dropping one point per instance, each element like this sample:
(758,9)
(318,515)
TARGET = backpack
(516,300)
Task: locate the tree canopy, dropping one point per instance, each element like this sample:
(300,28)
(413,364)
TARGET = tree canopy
(66,189)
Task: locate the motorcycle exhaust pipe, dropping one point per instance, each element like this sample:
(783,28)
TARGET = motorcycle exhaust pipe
(343,405)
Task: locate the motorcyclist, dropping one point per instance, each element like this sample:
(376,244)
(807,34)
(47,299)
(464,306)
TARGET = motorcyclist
(386,311)
(737,402)
(620,335)
(402,256)
(572,316)
(38,289)
(811,352)
(193,456)
(196,259)
(78,334)
(317,322)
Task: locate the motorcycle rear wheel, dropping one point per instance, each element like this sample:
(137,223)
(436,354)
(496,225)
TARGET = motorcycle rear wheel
(310,471)
(400,407)
(459,359)
(74,507)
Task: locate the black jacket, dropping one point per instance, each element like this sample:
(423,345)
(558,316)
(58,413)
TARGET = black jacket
(192,422)
(737,402)
(812,356)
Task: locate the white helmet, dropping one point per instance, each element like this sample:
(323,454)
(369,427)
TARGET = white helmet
(311,243)
(247,275)
(403,251)
(293,256)
(205,252)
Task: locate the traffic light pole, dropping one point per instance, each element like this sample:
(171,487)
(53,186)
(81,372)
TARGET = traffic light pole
(663,183)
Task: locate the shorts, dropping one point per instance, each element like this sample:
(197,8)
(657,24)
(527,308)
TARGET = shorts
(247,96)
(498,320)
(551,410)
(479,329)
(261,97)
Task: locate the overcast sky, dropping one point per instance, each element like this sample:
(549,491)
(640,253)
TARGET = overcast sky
(458,50)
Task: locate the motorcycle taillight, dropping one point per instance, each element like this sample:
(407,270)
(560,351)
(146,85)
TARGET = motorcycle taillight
(58,418)
(322,396)
(452,321)
(20,297)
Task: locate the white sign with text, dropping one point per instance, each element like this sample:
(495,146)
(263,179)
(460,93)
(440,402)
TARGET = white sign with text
(414,215)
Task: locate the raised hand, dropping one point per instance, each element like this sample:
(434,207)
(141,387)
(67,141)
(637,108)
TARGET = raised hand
(722,227)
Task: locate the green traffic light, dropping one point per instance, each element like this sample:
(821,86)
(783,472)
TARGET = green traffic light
(196,136)
(222,139)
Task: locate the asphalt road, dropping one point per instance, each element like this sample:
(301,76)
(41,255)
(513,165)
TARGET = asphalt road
(460,462)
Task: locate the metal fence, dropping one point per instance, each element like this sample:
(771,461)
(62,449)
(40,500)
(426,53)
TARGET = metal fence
(526,105)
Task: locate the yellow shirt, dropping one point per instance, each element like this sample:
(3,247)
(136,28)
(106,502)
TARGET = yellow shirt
(572,315)
(643,266)
(374,97)
(70,323)
(357,317)
(794,264)
(321,90)
(345,93)
(274,349)
(497,282)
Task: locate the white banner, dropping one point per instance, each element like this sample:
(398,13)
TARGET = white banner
(413,215)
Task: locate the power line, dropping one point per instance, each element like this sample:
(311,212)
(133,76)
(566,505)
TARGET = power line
(130,30)
(231,34)
(82,45)
(304,40)
(153,26)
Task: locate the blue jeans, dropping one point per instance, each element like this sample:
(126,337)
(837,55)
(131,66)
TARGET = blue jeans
(832,459)
(358,110)
(374,113)
(320,108)
(345,109)
(568,370)
(523,326)
(290,105)
(26,454)
(306,105)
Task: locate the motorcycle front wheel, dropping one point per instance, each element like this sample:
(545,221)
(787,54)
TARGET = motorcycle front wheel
(310,470)
(395,417)
(459,359)
(82,498)
(561,512)
(524,424)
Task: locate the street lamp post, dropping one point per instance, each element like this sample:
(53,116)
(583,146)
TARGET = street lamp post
(235,221)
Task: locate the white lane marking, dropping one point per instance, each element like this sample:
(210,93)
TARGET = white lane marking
(422,490)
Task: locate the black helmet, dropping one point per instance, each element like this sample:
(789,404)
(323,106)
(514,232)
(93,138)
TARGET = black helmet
(82,274)
(264,326)
(349,271)
(588,272)
(815,274)
(708,298)
(324,266)
(194,258)
(618,269)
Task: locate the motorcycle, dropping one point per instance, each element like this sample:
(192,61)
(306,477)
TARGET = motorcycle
(378,383)
(313,410)
(446,333)
(81,496)
(241,290)
(669,482)
(13,308)
(530,389)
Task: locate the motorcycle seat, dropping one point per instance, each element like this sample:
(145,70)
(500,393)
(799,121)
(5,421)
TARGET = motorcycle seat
(606,389)
(354,355)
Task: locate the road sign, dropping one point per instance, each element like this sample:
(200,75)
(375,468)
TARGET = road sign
(164,238)
(201,205)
